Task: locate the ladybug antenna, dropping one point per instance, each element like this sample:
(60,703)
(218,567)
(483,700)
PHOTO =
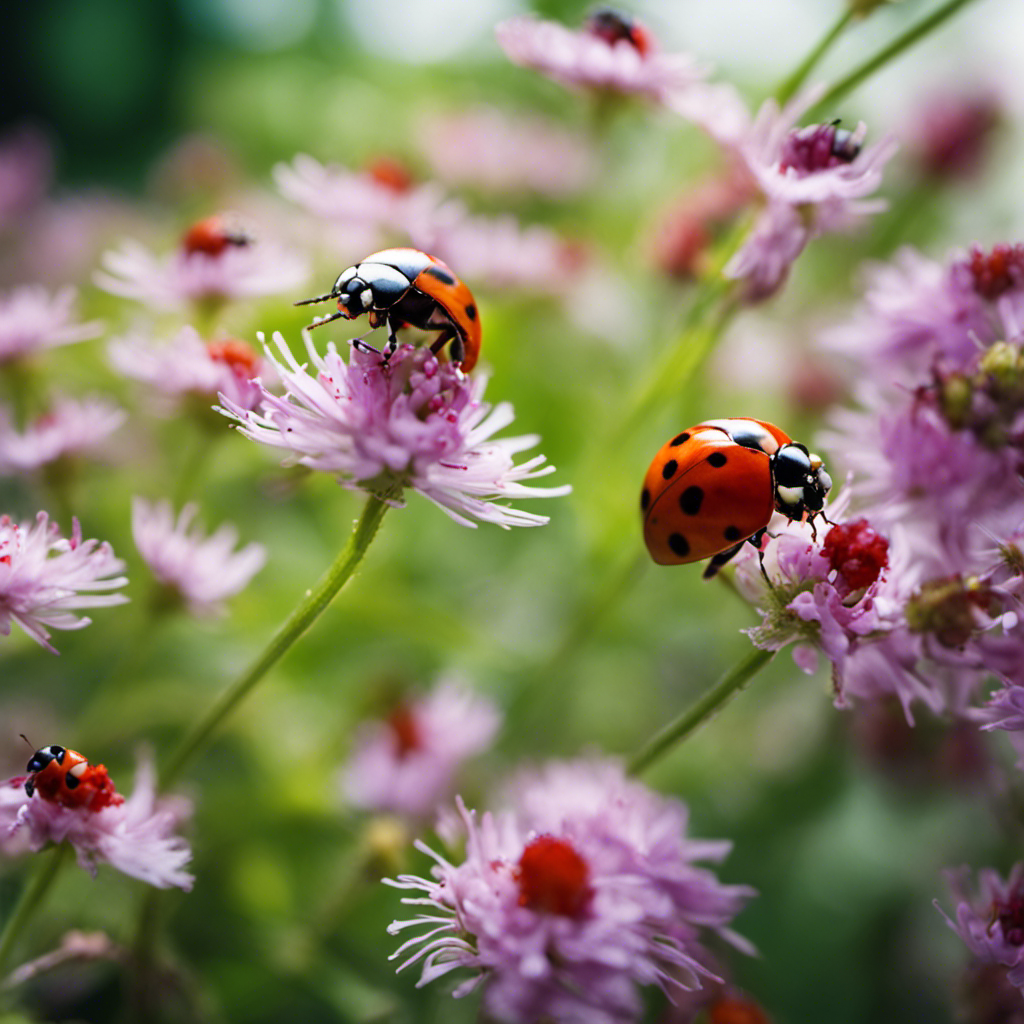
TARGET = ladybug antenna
(26,739)
(318,298)
(325,320)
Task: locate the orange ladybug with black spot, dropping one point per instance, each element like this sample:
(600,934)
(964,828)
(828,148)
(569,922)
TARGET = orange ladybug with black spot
(615,27)
(398,287)
(714,487)
(62,776)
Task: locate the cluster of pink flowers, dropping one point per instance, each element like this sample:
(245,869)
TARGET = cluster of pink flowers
(583,888)
(32,320)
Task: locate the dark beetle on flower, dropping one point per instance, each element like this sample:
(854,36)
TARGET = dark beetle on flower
(398,287)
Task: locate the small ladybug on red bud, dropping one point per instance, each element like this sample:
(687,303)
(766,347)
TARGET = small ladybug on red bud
(215,234)
(64,777)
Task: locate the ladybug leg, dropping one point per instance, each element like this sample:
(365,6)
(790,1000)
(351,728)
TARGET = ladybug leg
(362,345)
(457,352)
(717,561)
(392,340)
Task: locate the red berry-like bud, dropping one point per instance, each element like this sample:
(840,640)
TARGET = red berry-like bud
(734,1010)
(405,730)
(553,878)
(1010,916)
(998,271)
(856,552)
(390,173)
(236,354)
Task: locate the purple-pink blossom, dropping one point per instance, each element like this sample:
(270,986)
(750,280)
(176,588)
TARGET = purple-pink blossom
(71,427)
(187,365)
(991,920)
(31,319)
(176,279)
(813,181)
(202,572)
(563,905)
(45,578)
(629,63)
(137,836)
(407,762)
(384,425)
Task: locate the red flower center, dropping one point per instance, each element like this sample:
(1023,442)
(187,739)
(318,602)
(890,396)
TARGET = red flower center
(613,27)
(998,271)
(405,730)
(818,148)
(1010,916)
(856,552)
(390,173)
(553,878)
(238,356)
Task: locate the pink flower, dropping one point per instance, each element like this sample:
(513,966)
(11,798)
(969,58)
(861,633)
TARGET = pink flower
(32,320)
(813,181)
(991,922)
(486,149)
(409,422)
(202,571)
(561,908)
(950,134)
(195,273)
(407,763)
(187,365)
(44,577)
(134,835)
(72,427)
(622,59)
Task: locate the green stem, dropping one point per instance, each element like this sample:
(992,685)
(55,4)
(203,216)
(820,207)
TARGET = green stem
(916,32)
(31,899)
(309,609)
(789,87)
(701,711)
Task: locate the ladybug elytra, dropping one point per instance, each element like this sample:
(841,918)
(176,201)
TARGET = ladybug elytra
(397,287)
(715,486)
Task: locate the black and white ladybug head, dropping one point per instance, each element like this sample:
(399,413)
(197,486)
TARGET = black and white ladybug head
(369,286)
(799,481)
(42,757)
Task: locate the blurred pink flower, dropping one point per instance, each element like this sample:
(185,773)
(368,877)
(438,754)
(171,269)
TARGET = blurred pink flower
(407,763)
(951,133)
(44,577)
(71,427)
(135,835)
(814,181)
(487,149)
(26,170)
(31,320)
(173,281)
(563,906)
(409,422)
(186,365)
(203,571)
(628,63)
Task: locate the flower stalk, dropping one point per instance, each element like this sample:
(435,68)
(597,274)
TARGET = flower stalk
(789,88)
(305,614)
(32,897)
(702,711)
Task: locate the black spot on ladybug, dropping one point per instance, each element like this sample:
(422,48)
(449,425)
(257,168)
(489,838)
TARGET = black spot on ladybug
(679,544)
(645,499)
(717,459)
(70,781)
(669,469)
(471,311)
(732,533)
(440,274)
(679,439)
(690,500)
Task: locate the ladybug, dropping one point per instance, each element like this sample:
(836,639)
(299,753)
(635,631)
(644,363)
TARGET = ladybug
(214,234)
(615,27)
(62,776)
(716,485)
(846,147)
(396,287)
